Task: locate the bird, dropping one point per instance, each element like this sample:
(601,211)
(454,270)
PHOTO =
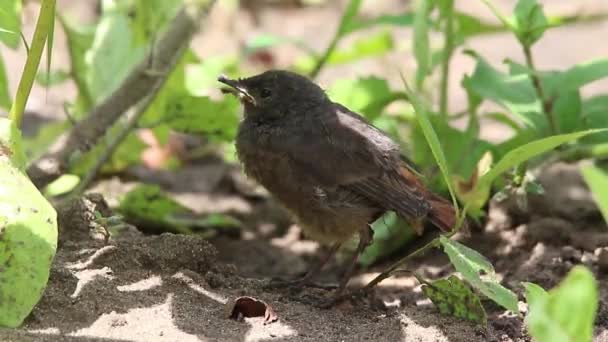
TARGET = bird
(328,166)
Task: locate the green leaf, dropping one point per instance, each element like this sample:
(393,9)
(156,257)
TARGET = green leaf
(10,22)
(597,180)
(28,235)
(467,26)
(113,53)
(567,112)
(11,144)
(52,78)
(5,97)
(62,185)
(514,92)
(202,77)
(150,17)
(594,116)
(149,206)
(79,40)
(517,156)
(368,96)
(471,264)
(453,297)
(567,312)
(530,21)
(201,115)
(575,77)
(421,47)
(390,233)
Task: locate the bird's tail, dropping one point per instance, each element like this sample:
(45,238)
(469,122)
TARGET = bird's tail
(442,213)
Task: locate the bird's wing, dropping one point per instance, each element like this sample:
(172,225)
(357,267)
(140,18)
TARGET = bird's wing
(340,149)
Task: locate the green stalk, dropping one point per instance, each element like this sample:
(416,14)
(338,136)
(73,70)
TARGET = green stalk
(448,49)
(43,27)
(538,87)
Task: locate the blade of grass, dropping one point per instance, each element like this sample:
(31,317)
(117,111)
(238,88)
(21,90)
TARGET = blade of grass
(432,139)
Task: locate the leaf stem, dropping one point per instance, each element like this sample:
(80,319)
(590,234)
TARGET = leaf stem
(45,20)
(546,103)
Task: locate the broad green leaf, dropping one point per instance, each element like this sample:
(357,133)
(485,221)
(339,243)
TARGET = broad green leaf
(530,22)
(594,116)
(113,53)
(390,233)
(201,115)
(471,265)
(10,22)
(518,155)
(514,92)
(597,180)
(5,97)
(202,77)
(368,96)
(52,78)
(151,16)
(567,312)
(567,112)
(503,119)
(62,185)
(149,206)
(421,48)
(28,227)
(528,151)
(575,77)
(79,40)
(467,26)
(453,297)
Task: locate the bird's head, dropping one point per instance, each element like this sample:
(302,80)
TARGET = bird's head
(275,94)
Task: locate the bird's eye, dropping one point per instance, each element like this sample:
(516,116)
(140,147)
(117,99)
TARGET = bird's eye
(265,93)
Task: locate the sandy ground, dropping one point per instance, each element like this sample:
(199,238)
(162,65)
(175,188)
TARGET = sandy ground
(176,288)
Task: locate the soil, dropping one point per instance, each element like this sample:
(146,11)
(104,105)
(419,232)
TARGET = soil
(180,288)
(137,287)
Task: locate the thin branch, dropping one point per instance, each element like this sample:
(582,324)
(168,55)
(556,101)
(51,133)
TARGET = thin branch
(137,85)
(131,123)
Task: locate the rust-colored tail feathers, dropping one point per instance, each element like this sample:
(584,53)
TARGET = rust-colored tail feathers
(442,213)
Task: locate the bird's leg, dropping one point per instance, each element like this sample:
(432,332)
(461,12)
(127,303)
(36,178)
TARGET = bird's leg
(365,239)
(306,280)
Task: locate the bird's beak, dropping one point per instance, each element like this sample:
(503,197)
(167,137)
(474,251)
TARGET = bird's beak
(236,88)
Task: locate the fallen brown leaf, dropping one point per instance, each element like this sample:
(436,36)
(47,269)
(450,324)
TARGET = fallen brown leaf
(251,307)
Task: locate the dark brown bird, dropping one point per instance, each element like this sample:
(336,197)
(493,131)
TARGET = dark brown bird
(334,171)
